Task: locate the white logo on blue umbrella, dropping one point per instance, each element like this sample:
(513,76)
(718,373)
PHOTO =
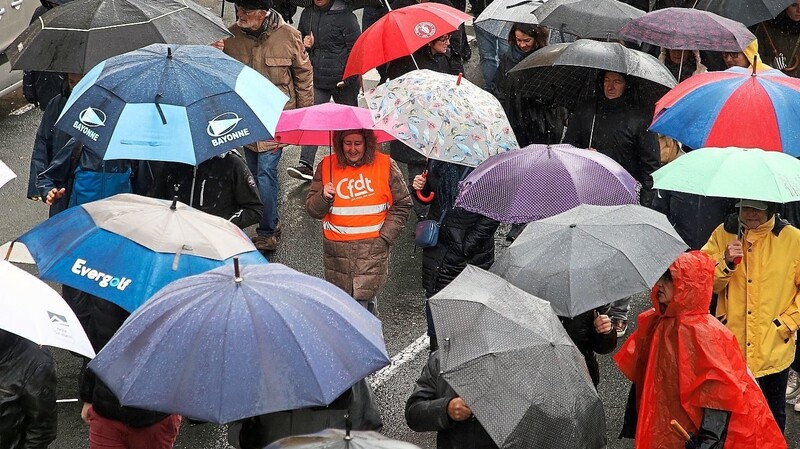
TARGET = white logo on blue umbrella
(92,117)
(222,124)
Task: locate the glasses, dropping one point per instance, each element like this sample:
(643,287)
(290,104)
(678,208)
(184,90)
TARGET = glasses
(244,11)
(732,55)
(445,38)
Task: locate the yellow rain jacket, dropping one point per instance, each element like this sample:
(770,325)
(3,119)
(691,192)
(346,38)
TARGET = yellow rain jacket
(759,299)
(752,50)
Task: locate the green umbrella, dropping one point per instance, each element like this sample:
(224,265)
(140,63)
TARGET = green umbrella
(733,173)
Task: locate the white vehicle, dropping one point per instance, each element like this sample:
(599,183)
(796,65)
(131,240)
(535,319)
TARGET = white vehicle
(15,16)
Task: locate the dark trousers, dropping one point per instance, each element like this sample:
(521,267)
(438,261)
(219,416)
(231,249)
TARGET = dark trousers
(774,388)
(796,364)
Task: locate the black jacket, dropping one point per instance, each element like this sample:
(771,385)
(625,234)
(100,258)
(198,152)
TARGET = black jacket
(694,217)
(581,330)
(464,238)
(223,186)
(426,410)
(106,319)
(48,141)
(620,132)
(28,413)
(335,31)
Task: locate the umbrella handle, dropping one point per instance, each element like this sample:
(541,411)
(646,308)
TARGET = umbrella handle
(425,198)
(680,430)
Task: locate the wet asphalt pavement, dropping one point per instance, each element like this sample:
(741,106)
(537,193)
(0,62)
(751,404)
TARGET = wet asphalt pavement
(400,304)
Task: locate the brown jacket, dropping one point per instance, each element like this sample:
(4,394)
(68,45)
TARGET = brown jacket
(280,56)
(360,267)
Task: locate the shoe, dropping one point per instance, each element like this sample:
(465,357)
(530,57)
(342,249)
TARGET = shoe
(793,386)
(301,171)
(266,243)
(620,326)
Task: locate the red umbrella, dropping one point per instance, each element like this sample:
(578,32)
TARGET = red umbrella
(400,33)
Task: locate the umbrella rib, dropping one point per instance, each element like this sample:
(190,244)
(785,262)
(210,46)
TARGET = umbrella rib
(45,27)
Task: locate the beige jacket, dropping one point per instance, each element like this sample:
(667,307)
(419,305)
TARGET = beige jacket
(279,55)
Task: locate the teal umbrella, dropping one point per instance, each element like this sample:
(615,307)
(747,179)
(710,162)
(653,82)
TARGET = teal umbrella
(733,173)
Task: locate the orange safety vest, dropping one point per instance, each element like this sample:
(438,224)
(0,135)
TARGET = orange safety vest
(361,201)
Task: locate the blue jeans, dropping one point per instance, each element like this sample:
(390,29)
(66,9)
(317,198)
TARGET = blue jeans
(264,167)
(490,49)
(619,309)
(347,95)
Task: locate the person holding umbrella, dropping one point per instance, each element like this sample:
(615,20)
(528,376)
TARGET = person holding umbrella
(757,278)
(360,195)
(782,34)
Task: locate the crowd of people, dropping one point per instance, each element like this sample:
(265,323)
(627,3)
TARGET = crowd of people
(364,202)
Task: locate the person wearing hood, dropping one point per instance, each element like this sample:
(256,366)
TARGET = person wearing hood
(757,278)
(221,186)
(686,366)
(360,195)
(28,409)
(781,37)
(745,58)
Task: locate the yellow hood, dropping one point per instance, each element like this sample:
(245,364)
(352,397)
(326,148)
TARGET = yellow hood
(750,52)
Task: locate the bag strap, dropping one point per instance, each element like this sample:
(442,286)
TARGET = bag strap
(444,209)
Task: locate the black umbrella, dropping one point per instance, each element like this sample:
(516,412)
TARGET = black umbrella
(354,4)
(565,73)
(74,37)
(749,12)
(599,19)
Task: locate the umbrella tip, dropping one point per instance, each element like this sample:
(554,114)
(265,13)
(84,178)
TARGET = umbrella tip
(348,426)
(458,81)
(573,225)
(169,52)
(237,275)
(755,64)
(174,205)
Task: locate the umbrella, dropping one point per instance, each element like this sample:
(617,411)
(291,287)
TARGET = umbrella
(597,19)
(688,29)
(314,125)
(400,33)
(33,310)
(498,17)
(590,256)
(264,340)
(354,4)
(752,174)
(540,181)
(74,37)
(171,103)
(340,439)
(736,107)
(508,356)
(562,72)
(126,247)
(5,174)
(442,117)
(16,252)
(749,12)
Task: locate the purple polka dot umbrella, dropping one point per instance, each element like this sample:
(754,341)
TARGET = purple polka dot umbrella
(540,181)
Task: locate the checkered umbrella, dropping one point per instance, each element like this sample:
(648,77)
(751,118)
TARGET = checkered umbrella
(507,355)
(563,73)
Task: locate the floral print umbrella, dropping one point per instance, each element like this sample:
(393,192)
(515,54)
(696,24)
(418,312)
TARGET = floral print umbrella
(443,117)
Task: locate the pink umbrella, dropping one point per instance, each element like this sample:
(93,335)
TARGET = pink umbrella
(314,125)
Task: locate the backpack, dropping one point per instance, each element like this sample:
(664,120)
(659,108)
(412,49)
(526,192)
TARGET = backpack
(92,185)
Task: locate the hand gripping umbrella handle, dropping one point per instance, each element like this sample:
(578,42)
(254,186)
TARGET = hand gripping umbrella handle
(420,196)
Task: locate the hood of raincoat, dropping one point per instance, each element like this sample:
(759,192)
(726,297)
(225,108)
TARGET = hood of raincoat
(693,278)
(750,52)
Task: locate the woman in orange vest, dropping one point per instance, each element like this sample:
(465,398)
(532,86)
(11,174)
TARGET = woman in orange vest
(362,199)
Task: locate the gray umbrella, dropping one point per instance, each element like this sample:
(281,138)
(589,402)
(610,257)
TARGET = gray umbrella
(508,356)
(591,255)
(564,73)
(498,17)
(597,19)
(340,439)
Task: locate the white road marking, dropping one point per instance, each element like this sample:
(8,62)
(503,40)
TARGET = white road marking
(377,379)
(22,110)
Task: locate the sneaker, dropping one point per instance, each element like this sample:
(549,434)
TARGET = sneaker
(301,171)
(266,243)
(620,326)
(793,386)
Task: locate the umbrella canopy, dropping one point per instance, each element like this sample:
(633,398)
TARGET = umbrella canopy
(590,19)
(75,37)
(688,29)
(171,103)
(749,12)
(736,107)
(442,117)
(126,247)
(314,125)
(752,174)
(562,72)
(33,310)
(540,181)
(498,17)
(590,256)
(508,356)
(354,4)
(400,33)
(340,439)
(264,340)
(5,174)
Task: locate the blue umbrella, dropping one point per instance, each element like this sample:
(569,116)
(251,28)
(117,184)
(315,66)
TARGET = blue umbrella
(125,248)
(221,346)
(181,103)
